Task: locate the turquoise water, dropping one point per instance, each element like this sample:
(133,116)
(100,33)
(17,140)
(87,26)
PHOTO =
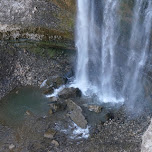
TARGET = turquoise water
(13,107)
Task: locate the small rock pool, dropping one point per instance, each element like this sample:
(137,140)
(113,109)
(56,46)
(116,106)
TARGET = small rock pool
(21,102)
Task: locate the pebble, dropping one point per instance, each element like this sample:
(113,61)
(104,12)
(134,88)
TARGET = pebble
(11,147)
(49,134)
(54,142)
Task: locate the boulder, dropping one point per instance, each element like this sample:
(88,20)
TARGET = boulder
(11,147)
(49,134)
(57,106)
(52,83)
(94,108)
(29,113)
(70,93)
(55,143)
(53,99)
(48,90)
(56,82)
(146,145)
(72,106)
(50,111)
(75,113)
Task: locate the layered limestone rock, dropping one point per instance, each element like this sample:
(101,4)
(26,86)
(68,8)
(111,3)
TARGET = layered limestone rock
(50,20)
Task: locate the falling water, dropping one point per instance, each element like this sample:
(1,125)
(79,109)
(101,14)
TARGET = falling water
(100,70)
(138,51)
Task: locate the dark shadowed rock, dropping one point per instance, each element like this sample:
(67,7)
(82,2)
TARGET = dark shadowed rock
(75,113)
(69,76)
(53,83)
(53,99)
(56,82)
(70,93)
(57,106)
(109,116)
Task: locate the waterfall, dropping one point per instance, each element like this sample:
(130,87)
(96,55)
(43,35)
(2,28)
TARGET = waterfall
(100,70)
(138,51)
(110,34)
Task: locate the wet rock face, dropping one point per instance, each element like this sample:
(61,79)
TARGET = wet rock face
(23,19)
(31,12)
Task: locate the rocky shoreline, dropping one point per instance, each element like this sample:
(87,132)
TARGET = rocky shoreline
(59,130)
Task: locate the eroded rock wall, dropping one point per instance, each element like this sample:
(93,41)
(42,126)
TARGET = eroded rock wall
(37,19)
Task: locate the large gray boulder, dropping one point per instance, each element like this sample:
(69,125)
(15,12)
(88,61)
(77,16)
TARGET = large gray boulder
(75,113)
(67,93)
(146,145)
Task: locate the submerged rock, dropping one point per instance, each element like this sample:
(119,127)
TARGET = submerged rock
(70,93)
(29,113)
(75,113)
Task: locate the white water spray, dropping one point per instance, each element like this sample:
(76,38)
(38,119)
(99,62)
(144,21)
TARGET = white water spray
(97,42)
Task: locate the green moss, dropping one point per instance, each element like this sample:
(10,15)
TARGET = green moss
(44,48)
(38,51)
(51,53)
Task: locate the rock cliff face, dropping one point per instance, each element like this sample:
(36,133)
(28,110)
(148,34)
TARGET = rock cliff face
(51,20)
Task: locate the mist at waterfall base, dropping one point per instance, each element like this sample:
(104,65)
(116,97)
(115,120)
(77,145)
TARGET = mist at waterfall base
(112,54)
